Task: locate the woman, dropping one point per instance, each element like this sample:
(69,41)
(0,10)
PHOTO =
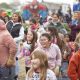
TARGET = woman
(57,24)
(16,30)
(74,63)
(15,27)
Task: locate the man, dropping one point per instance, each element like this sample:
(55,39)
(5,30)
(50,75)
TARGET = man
(7,54)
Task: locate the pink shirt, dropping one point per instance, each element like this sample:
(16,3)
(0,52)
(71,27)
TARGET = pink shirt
(54,55)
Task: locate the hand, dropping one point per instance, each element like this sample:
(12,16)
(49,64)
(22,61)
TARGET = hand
(10,62)
(57,71)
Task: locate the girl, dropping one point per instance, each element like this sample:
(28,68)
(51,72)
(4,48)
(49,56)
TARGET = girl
(28,47)
(54,33)
(65,53)
(53,52)
(39,69)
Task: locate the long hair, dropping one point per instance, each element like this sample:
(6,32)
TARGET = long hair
(34,40)
(52,30)
(54,33)
(43,63)
(19,17)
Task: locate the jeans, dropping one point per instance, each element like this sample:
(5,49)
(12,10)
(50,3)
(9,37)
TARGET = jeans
(7,73)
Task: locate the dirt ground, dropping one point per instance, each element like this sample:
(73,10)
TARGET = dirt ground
(22,69)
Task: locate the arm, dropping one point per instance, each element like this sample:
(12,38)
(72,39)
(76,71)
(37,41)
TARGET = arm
(21,35)
(58,57)
(21,55)
(11,45)
(58,61)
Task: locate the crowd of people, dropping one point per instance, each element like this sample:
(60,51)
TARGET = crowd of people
(51,49)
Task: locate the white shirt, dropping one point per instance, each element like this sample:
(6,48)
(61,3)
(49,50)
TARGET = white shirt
(50,76)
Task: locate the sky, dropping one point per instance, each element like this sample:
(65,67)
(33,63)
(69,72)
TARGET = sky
(56,1)
(23,1)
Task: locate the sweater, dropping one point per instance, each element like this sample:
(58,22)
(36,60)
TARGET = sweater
(54,55)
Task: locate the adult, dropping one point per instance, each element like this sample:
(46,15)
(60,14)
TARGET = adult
(16,30)
(74,64)
(57,23)
(7,54)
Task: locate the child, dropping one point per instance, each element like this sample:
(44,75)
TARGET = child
(39,69)
(28,47)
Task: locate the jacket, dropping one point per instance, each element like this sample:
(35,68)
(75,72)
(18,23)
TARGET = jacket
(7,46)
(74,66)
(54,55)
